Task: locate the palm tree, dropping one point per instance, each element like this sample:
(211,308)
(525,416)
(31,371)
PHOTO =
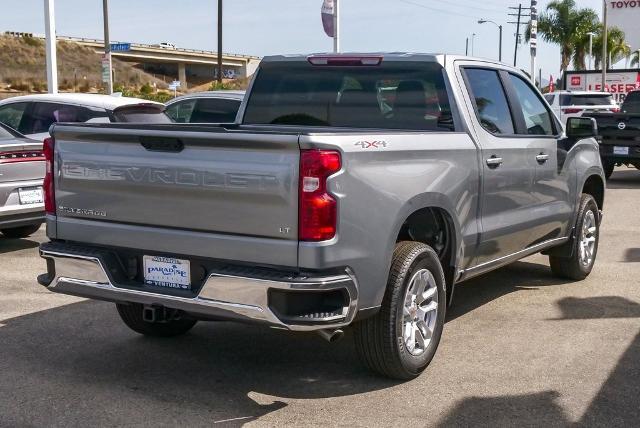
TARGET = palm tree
(617,47)
(567,26)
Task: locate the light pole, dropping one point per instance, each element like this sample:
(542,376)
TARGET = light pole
(591,49)
(220,41)
(484,21)
(52,63)
(473,44)
(107,49)
(605,44)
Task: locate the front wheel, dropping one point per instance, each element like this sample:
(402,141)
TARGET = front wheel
(173,325)
(585,245)
(401,340)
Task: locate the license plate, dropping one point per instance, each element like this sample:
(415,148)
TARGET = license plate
(624,151)
(31,196)
(167,272)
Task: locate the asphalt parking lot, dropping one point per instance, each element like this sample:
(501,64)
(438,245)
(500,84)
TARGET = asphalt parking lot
(519,348)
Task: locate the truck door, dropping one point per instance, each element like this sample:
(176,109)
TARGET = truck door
(552,181)
(508,166)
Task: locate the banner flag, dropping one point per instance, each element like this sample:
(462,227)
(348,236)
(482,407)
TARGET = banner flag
(328,9)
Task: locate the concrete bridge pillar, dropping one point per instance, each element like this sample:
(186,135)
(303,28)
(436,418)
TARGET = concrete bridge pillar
(182,75)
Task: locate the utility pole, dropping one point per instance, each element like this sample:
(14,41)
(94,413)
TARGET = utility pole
(336,26)
(466,51)
(473,44)
(52,62)
(605,42)
(533,40)
(220,41)
(107,64)
(518,23)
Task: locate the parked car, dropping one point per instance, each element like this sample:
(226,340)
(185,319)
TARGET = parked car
(566,104)
(620,134)
(326,205)
(206,107)
(32,115)
(21,175)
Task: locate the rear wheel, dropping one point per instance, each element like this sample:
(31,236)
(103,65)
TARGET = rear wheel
(21,232)
(172,323)
(585,245)
(401,340)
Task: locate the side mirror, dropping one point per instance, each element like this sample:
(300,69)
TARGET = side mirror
(582,127)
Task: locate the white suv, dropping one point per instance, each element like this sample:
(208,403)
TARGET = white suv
(566,104)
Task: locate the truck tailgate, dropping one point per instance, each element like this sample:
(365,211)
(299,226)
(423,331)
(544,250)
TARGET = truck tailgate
(210,182)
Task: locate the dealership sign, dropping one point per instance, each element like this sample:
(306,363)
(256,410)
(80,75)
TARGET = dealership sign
(625,14)
(619,84)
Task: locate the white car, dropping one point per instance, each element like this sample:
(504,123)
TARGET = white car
(32,115)
(566,104)
(206,107)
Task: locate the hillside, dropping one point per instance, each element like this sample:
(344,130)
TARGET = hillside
(22,68)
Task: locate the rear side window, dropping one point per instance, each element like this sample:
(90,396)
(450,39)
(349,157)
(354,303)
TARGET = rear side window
(550,98)
(12,114)
(490,101)
(393,95)
(586,100)
(537,118)
(181,111)
(214,110)
(41,116)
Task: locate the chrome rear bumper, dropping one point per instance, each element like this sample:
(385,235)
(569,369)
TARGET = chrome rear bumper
(85,274)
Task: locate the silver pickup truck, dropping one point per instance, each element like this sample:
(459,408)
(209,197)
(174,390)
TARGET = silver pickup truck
(353,190)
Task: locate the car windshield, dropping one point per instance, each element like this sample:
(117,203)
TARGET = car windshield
(395,95)
(587,100)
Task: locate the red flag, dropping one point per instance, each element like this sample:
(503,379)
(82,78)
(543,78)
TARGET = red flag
(552,84)
(328,8)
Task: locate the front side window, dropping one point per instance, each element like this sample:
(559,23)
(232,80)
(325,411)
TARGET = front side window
(537,118)
(11,114)
(391,95)
(43,115)
(490,101)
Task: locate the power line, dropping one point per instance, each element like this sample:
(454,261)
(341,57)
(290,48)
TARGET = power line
(483,9)
(435,9)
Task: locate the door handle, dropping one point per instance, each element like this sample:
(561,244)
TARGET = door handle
(542,158)
(494,162)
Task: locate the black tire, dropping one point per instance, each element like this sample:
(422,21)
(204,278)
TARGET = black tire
(131,314)
(21,232)
(608,169)
(379,339)
(572,267)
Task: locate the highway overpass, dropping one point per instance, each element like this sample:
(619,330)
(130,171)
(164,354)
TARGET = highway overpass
(187,65)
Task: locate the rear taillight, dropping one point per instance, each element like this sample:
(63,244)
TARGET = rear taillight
(615,110)
(318,208)
(572,110)
(49,190)
(21,156)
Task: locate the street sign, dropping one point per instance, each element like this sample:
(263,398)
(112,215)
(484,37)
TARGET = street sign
(120,47)
(174,85)
(105,68)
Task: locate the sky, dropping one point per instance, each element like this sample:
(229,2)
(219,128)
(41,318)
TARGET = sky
(265,27)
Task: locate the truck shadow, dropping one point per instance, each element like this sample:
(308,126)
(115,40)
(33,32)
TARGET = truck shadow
(628,178)
(615,404)
(519,276)
(10,245)
(74,359)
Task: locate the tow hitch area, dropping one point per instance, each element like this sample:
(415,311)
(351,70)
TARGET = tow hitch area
(160,314)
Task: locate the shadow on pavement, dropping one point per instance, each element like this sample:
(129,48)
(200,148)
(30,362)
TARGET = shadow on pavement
(624,179)
(78,364)
(518,276)
(10,245)
(616,404)
(632,255)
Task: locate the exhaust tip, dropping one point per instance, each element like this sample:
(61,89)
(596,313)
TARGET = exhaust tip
(331,336)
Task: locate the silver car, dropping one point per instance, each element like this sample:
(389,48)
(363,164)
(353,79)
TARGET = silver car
(206,107)
(21,174)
